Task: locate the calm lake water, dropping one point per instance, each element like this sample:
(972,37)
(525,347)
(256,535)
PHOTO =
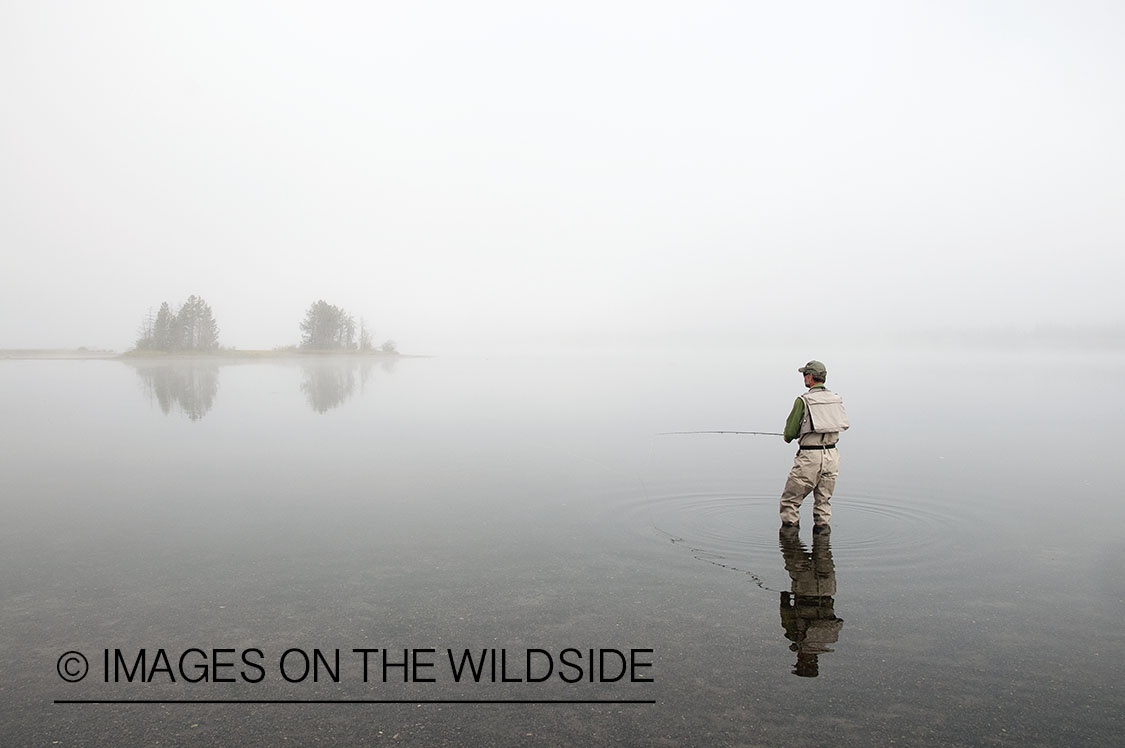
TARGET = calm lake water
(971,591)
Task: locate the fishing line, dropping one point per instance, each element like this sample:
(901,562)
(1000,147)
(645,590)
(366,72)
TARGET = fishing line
(700,554)
(753,433)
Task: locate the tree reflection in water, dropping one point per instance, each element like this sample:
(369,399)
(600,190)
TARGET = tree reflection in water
(188,385)
(327,384)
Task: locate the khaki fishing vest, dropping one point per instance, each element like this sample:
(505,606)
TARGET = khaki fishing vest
(824,418)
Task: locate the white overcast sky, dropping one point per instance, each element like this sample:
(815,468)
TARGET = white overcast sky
(466,173)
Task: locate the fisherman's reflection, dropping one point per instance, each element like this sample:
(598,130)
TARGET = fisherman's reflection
(808,612)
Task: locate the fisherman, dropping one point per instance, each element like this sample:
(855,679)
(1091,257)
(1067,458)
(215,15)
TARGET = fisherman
(816,421)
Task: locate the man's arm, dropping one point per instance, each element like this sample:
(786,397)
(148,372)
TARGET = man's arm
(793,425)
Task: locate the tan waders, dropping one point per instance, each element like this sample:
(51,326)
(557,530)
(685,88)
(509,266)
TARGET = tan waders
(814,470)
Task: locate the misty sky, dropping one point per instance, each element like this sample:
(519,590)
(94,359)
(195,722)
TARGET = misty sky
(467,173)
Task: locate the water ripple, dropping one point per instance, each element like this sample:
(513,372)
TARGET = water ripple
(740,532)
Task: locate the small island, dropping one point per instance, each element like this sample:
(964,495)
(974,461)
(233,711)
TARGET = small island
(191,331)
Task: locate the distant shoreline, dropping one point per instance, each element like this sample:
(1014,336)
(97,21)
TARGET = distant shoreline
(32,354)
(84,354)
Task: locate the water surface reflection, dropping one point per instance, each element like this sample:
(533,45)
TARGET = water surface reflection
(386,522)
(189,386)
(328,384)
(808,612)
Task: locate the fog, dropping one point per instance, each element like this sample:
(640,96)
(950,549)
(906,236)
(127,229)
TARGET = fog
(487,175)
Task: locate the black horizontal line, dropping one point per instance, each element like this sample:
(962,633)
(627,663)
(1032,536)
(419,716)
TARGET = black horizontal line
(355,701)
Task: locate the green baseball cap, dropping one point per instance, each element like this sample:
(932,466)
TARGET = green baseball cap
(814,367)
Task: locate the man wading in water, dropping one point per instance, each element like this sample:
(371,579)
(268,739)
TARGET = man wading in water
(816,421)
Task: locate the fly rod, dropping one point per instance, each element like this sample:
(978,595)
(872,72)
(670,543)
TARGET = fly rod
(753,433)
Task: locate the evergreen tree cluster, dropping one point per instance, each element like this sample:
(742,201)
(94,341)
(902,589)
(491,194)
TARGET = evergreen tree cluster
(192,327)
(328,327)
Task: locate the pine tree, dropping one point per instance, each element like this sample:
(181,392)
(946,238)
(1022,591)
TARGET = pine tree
(145,337)
(326,326)
(347,330)
(162,328)
(207,332)
(191,328)
(364,335)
